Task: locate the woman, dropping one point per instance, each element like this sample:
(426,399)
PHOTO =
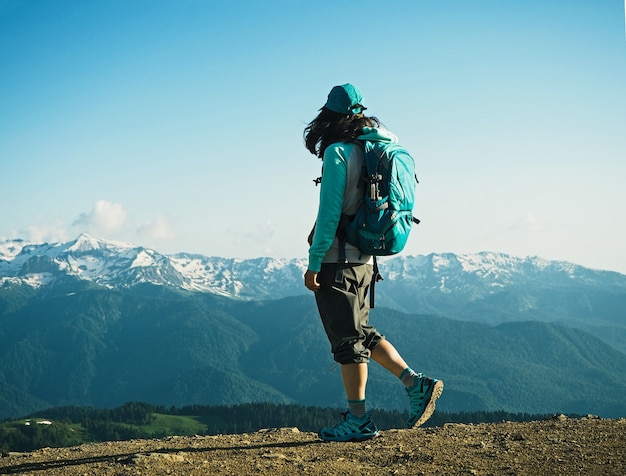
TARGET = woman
(341,290)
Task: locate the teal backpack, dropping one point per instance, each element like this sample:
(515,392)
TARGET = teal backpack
(383,222)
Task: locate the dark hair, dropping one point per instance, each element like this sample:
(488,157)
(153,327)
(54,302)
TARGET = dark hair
(330,127)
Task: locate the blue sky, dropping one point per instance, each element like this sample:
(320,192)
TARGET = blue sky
(178,124)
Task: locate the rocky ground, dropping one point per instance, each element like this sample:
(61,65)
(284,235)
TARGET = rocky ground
(560,445)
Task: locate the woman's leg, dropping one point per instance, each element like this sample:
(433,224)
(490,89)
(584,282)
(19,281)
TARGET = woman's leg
(386,355)
(354,378)
(423,391)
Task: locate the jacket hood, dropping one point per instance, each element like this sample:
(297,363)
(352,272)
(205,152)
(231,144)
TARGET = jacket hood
(377,134)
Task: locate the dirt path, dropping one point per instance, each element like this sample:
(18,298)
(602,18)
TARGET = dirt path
(561,446)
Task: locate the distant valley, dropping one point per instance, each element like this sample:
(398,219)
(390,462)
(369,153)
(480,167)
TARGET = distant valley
(94,322)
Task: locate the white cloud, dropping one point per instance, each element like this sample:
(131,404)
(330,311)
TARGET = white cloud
(527,223)
(262,233)
(45,233)
(159,228)
(105,218)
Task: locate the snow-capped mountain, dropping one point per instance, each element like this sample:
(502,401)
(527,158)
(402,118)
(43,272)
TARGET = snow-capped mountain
(123,265)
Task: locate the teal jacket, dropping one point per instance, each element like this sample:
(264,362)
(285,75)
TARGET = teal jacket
(339,194)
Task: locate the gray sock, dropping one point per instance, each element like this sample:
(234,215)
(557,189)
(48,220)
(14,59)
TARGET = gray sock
(357,408)
(409,377)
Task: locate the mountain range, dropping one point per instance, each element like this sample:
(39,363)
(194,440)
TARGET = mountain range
(96,322)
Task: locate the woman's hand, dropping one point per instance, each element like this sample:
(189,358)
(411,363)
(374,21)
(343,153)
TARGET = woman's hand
(310,281)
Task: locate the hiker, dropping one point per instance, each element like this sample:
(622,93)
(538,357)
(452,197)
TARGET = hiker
(341,288)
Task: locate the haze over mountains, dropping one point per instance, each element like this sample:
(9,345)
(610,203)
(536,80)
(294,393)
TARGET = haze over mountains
(95,322)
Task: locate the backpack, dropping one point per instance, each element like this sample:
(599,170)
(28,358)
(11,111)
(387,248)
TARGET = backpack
(382,224)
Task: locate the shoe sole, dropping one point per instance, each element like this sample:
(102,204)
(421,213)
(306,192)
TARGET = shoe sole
(430,406)
(349,439)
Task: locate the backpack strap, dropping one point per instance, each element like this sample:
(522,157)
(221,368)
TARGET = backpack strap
(363,184)
(376,276)
(342,260)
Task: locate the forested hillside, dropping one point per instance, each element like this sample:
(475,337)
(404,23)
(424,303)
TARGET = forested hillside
(103,347)
(71,426)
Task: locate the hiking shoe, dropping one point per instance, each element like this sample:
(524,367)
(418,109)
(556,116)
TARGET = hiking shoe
(423,396)
(350,428)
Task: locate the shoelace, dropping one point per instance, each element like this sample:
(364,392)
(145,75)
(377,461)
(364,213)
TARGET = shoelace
(346,427)
(418,400)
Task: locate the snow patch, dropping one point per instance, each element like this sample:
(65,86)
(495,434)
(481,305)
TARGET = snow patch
(144,259)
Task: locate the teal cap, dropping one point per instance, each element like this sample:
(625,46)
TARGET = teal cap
(345,99)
